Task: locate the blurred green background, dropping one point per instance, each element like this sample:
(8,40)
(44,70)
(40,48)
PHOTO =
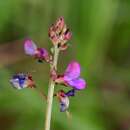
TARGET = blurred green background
(100,42)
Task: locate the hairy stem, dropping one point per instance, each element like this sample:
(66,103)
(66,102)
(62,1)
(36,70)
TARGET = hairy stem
(51,90)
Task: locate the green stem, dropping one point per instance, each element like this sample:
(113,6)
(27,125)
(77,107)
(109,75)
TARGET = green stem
(51,91)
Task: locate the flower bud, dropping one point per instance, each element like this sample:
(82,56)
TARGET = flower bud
(59,33)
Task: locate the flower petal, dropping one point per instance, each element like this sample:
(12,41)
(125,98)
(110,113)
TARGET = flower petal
(64,104)
(72,71)
(42,53)
(15,83)
(30,47)
(77,83)
(19,81)
(70,93)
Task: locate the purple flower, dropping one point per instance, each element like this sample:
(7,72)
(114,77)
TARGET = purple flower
(20,81)
(64,99)
(60,34)
(39,53)
(71,77)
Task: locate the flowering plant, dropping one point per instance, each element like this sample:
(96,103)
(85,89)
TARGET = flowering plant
(59,34)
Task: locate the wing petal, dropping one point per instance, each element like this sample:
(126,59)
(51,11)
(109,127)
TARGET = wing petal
(29,47)
(15,83)
(77,83)
(72,71)
(64,104)
(70,93)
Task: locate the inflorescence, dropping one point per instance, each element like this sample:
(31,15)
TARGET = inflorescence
(59,34)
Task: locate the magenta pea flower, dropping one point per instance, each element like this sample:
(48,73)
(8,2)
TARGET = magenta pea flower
(60,34)
(64,99)
(31,49)
(20,81)
(71,77)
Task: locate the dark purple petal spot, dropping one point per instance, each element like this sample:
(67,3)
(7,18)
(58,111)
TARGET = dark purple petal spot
(70,93)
